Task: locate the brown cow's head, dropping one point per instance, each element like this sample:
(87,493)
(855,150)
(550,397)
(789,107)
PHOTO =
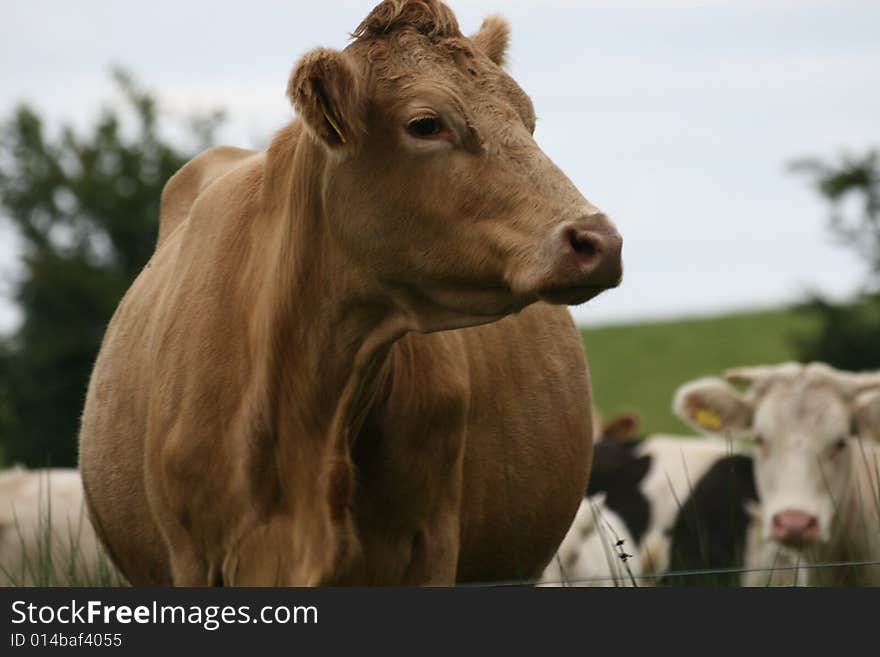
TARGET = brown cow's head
(434,181)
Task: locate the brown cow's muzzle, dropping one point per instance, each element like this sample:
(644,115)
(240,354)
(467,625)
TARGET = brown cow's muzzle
(586,259)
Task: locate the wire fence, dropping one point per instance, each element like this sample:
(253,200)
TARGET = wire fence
(651,577)
(49,559)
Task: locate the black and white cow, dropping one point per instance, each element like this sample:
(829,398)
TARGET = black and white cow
(811,453)
(689,504)
(598,550)
(674,504)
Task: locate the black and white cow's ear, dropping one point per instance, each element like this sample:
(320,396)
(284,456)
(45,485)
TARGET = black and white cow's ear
(493,37)
(866,415)
(327,92)
(712,406)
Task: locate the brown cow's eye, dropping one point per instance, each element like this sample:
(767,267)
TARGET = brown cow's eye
(424,126)
(759,441)
(839,444)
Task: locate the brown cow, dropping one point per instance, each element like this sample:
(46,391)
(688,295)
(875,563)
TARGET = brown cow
(279,399)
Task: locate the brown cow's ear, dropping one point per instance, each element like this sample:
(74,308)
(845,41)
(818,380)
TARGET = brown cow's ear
(712,406)
(493,37)
(866,414)
(327,92)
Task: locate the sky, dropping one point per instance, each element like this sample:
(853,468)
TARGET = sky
(678,118)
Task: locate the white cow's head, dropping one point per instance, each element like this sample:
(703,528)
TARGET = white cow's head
(805,422)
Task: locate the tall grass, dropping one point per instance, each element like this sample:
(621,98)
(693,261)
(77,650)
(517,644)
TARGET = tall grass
(848,559)
(54,547)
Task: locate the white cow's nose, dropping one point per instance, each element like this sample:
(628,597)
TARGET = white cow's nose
(795,528)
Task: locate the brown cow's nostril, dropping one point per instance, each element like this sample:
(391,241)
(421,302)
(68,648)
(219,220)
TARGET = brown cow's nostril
(584,258)
(596,252)
(583,243)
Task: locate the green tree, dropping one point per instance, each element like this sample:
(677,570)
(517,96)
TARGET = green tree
(87,208)
(855,178)
(849,334)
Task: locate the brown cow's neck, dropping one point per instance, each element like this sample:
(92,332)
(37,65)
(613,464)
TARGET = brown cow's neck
(326,337)
(331,328)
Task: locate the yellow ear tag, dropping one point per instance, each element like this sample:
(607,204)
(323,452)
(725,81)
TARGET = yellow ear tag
(707,419)
(332,123)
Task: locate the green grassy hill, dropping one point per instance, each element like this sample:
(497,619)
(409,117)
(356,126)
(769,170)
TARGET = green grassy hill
(639,366)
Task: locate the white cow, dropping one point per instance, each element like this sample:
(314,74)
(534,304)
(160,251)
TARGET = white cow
(598,550)
(816,445)
(46,538)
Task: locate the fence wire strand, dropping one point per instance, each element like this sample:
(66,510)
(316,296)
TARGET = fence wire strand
(539,583)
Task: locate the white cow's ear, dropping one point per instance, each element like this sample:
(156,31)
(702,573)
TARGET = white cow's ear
(326,90)
(861,381)
(712,406)
(493,37)
(758,374)
(866,413)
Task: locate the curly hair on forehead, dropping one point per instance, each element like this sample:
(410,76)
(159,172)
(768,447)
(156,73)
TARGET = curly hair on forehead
(429,17)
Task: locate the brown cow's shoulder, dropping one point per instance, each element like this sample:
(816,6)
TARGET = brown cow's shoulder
(185,186)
